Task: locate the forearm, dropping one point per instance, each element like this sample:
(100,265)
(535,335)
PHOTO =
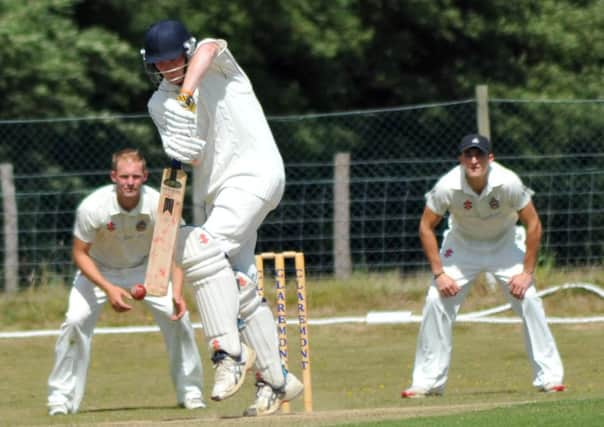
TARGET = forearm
(198,65)
(530,219)
(430,245)
(533,240)
(177,282)
(89,269)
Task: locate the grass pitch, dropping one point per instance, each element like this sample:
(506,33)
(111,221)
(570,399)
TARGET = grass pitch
(358,370)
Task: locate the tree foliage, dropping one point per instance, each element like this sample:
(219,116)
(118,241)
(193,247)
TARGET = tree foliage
(53,68)
(68,57)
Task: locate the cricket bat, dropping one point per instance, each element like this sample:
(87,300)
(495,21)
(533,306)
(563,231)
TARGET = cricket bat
(167,222)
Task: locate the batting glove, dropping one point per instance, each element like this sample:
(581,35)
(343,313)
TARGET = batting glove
(186,100)
(185,149)
(177,115)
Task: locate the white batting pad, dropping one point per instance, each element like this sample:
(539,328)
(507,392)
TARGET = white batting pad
(218,303)
(260,333)
(199,254)
(209,272)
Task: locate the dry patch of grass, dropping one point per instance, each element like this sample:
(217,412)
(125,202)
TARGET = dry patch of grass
(44,307)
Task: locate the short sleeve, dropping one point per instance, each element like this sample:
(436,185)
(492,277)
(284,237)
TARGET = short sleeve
(438,199)
(224,61)
(222,44)
(520,195)
(85,227)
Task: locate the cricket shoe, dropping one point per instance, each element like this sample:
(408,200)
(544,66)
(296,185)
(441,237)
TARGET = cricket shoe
(192,403)
(58,409)
(553,388)
(230,372)
(418,393)
(269,400)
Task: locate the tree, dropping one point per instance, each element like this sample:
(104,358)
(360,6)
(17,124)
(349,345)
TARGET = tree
(51,68)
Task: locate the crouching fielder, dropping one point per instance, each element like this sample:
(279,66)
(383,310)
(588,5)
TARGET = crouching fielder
(484,201)
(111,240)
(207,114)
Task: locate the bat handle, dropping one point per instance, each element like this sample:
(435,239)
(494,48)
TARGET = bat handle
(176,164)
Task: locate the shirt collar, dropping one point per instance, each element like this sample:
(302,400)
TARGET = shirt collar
(494,179)
(140,208)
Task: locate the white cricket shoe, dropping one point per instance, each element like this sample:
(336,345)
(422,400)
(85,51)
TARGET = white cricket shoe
(58,409)
(269,400)
(230,373)
(418,393)
(293,387)
(193,403)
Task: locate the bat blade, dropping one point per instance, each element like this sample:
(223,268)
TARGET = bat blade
(167,222)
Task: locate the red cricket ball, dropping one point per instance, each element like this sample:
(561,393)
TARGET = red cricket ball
(138,291)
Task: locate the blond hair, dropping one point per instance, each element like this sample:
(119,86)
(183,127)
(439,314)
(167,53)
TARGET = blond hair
(132,154)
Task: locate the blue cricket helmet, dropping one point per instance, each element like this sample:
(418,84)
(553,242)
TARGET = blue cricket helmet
(165,40)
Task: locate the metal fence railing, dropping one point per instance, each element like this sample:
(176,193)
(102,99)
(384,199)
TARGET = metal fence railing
(396,156)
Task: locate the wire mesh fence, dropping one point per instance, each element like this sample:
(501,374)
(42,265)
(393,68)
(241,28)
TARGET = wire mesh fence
(396,155)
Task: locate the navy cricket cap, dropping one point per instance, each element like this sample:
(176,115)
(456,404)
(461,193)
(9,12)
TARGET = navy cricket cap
(165,40)
(475,141)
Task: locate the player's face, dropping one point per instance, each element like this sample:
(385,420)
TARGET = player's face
(173,70)
(475,162)
(128,178)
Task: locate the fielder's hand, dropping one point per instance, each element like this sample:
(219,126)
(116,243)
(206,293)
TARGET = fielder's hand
(116,296)
(519,283)
(446,286)
(180,308)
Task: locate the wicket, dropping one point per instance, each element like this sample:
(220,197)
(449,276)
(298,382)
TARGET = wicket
(279,262)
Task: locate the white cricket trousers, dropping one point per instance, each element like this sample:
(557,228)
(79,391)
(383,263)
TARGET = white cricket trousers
(463,262)
(233,220)
(67,380)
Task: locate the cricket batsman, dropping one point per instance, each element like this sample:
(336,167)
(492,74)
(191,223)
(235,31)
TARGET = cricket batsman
(207,114)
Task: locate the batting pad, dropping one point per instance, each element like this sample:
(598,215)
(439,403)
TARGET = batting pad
(260,333)
(216,292)
(199,255)
(218,303)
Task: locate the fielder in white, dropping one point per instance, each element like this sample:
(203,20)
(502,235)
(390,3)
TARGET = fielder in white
(112,237)
(484,201)
(207,114)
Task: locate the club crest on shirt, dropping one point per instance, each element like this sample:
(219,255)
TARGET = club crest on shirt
(110,226)
(141,225)
(467,205)
(494,203)
(448,253)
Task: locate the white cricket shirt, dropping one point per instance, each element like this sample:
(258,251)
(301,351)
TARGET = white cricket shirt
(485,217)
(240,150)
(119,238)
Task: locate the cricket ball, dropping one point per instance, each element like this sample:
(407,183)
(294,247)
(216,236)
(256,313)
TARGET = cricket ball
(138,291)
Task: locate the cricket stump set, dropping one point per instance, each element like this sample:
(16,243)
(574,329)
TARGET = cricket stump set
(280,294)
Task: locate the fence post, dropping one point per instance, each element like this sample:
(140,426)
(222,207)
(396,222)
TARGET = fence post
(341,216)
(482,110)
(11,236)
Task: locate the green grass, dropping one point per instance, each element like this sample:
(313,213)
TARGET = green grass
(358,370)
(585,413)
(44,307)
